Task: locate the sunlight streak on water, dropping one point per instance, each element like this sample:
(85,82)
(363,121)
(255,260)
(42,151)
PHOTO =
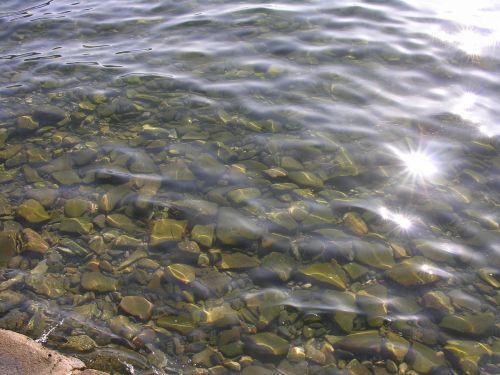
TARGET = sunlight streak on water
(478,29)
(404,222)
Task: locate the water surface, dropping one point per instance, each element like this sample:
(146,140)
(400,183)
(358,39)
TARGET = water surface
(261,187)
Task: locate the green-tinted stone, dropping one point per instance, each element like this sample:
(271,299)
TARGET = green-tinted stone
(97,282)
(256,370)
(490,276)
(121,221)
(80,343)
(355,223)
(113,196)
(196,208)
(234,228)
(375,255)
(122,326)
(396,346)
(75,207)
(267,344)
(361,342)
(49,285)
(5,206)
(8,246)
(165,231)
(327,273)
(304,178)
(127,242)
(177,171)
(244,195)
(32,241)
(467,354)
(280,264)
(470,324)
(276,172)
(355,270)
(282,219)
(69,177)
(372,301)
(437,300)
(182,323)
(10,299)
(203,234)
(45,196)
(32,211)
(425,359)
(76,225)
(437,251)
(413,272)
(231,261)
(298,210)
(26,123)
(343,306)
(137,306)
(181,272)
(221,316)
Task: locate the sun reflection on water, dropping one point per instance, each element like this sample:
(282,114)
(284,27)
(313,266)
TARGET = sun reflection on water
(404,222)
(419,164)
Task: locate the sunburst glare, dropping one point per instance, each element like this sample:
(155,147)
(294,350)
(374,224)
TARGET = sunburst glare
(418,165)
(403,222)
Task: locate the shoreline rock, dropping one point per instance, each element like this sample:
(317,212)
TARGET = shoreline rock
(20,355)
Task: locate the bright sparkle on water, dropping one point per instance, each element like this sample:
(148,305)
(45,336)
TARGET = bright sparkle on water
(402,221)
(418,164)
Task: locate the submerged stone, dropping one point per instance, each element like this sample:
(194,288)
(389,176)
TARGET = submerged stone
(279,264)
(77,225)
(32,241)
(8,246)
(80,343)
(234,228)
(374,254)
(166,231)
(355,223)
(230,261)
(48,114)
(97,282)
(437,300)
(361,342)
(137,306)
(244,195)
(181,323)
(307,179)
(479,324)
(121,221)
(26,123)
(49,285)
(76,207)
(203,234)
(413,272)
(68,177)
(425,359)
(343,306)
(10,299)
(467,354)
(327,273)
(181,272)
(267,344)
(32,212)
(396,346)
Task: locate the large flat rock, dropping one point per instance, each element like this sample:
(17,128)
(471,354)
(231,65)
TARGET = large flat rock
(20,355)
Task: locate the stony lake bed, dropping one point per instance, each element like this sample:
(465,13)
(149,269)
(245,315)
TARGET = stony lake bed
(254,209)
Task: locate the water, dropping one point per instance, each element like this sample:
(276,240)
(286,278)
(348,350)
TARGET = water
(287,187)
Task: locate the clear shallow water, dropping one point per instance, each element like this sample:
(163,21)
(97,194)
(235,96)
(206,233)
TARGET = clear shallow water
(329,173)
